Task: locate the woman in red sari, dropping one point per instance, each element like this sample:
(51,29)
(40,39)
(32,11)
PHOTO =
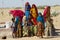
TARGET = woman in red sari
(48,28)
(46,12)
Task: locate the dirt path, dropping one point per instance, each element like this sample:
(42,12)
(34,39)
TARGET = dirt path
(8,33)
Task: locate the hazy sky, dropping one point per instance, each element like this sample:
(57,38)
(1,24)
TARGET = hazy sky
(21,3)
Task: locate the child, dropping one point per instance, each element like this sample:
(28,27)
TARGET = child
(13,27)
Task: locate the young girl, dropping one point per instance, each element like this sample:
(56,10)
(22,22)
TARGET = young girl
(13,27)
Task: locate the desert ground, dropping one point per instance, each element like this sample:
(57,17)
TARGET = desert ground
(8,32)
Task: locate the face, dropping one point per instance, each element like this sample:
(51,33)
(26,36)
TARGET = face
(33,6)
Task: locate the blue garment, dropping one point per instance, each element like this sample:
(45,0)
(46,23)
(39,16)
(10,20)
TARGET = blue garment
(16,20)
(41,19)
(16,23)
(27,11)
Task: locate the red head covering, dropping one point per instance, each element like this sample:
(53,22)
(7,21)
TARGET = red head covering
(18,13)
(46,12)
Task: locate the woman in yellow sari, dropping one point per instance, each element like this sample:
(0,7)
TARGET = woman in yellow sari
(48,29)
(34,11)
(34,14)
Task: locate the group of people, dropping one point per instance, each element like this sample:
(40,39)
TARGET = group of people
(32,23)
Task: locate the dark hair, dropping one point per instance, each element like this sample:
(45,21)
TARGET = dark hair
(40,13)
(13,19)
(48,7)
(35,8)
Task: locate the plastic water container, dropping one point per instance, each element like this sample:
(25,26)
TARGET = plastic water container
(8,24)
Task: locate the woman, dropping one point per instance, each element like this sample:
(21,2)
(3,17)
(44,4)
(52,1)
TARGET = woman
(27,10)
(34,14)
(47,18)
(40,28)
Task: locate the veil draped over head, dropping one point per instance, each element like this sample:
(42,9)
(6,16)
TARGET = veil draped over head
(18,13)
(46,12)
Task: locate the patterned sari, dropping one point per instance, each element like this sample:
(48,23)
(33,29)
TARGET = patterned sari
(40,25)
(40,29)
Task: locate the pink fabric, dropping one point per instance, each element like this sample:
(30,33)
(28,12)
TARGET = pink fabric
(45,12)
(18,13)
(34,21)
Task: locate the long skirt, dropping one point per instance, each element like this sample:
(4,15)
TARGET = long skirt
(35,30)
(25,31)
(32,30)
(48,29)
(40,29)
(18,30)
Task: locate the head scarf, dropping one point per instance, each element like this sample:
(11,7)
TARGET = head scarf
(46,12)
(41,19)
(18,13)
(35,8)
(34,11)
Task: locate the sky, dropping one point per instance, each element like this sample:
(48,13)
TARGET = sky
(21,3)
